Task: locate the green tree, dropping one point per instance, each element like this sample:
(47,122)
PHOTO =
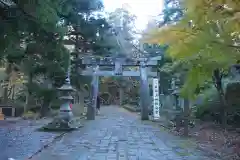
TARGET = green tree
(206,40)
(89,33)
(33,40)
(123,28)
(31,37)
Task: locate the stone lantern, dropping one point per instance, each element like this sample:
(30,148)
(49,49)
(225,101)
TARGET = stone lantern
(177,102)
(176,96)
(123,84)
(64,121)
(65,112)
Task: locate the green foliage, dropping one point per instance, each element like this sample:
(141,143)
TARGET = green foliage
(172,12)
(154,49)
(88,28)
(204,39)
(88,32)
(31,38)
(123,30)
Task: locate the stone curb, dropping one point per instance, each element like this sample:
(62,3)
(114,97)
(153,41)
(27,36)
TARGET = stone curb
(57,137)
(46,145)
(209,152)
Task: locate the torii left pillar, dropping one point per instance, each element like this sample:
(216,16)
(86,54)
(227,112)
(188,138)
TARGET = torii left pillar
(121,92)
(91,110)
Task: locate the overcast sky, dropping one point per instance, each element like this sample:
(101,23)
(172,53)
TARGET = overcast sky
(143,9)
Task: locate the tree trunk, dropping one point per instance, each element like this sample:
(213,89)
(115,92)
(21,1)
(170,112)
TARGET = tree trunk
(217,77)
(5,94)
(8,70)
(13,91)
(178,122)
(223,109)
(28,93)
(44,109)
(186,116)
(178,117)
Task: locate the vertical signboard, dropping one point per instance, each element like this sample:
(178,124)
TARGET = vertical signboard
(156,102)
(118,68)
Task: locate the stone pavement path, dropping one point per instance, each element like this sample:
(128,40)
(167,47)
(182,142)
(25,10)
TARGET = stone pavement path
(19,139)
(117,134)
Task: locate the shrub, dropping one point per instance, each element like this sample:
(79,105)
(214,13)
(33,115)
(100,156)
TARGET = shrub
(30,115)
(208,105)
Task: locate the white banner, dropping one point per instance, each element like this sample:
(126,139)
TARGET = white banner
(156,104)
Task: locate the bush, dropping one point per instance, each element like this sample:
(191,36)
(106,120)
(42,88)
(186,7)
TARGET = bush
(232,94)
(208,105)
(55,105)
(30,115)
(54,113)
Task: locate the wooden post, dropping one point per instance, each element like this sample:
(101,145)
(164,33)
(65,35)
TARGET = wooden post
(13,112)
(1,115)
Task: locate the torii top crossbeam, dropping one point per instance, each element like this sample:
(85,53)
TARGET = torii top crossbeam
(109,61)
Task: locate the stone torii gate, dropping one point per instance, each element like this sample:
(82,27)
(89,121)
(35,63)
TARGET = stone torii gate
(94,65)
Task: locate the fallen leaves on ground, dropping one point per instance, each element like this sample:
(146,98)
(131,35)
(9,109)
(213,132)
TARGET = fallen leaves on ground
(211,137)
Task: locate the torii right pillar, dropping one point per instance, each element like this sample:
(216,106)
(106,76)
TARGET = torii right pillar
(144,92)
(91,110)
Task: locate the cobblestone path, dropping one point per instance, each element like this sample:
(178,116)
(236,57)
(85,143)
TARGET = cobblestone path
(117,134)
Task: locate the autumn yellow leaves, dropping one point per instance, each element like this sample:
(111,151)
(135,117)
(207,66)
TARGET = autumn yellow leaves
(207,37)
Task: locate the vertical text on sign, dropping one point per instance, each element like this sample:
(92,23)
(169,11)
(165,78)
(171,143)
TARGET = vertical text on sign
(118,68)
(156,104)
